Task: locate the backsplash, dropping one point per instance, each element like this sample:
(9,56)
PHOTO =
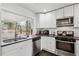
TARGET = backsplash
(51,30)
(75,29)
(76,32)
(65,29)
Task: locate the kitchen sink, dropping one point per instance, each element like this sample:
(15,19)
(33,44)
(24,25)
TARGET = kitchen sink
(9,40)
(14,40)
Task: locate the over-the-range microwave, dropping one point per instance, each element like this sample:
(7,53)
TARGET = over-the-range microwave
(62,22)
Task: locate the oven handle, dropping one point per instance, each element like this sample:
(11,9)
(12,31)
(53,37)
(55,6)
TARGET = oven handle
(65,41)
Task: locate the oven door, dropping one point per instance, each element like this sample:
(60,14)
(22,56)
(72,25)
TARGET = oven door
(66,46)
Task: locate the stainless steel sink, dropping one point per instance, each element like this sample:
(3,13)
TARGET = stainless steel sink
(9,40)
(14,40)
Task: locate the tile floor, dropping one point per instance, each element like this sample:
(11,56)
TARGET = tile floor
(45,53)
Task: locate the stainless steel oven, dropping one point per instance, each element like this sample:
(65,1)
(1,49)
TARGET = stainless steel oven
(65,41)
(66,46)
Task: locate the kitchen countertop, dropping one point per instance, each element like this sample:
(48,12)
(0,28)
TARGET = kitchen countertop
(18,40)
(31,37)
(50,35)
(76,38)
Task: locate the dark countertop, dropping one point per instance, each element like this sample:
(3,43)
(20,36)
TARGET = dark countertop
(19,40)
(76,38)
(50,35)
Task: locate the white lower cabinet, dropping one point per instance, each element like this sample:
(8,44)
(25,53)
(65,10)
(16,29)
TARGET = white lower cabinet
(29,48)
(51,44)
(18,49)
(77,48)
(48,43)
(44,42)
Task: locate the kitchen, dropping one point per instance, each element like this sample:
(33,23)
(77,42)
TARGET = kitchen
(50,30)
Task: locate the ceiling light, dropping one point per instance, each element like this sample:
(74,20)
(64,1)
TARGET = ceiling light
(44,10)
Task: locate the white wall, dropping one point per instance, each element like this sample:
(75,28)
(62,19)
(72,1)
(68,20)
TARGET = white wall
(76,32)
(65,29)
(36,23)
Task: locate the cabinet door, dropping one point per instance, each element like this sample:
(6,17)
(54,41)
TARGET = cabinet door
(26,48)
(44,43)
(59,13)
(29,48)
(51,44)
(46,20)
(42,21)
(12,53)
(53,19)
(68,11)
(76,15)
(77,48)
(48,43)
(18,49)
(11,50)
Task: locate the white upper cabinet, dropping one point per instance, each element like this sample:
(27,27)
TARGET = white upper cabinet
(47,20)
(42,20)
(59,13)
(76,15)
(68,11)
(53,19)
(64,12)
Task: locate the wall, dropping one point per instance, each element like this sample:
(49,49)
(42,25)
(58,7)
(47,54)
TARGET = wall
(65,29)
(36,23)
(76,32)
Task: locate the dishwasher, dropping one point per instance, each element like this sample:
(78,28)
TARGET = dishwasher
(36,45)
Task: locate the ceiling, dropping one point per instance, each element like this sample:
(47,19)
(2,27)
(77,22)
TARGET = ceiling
(43,7)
